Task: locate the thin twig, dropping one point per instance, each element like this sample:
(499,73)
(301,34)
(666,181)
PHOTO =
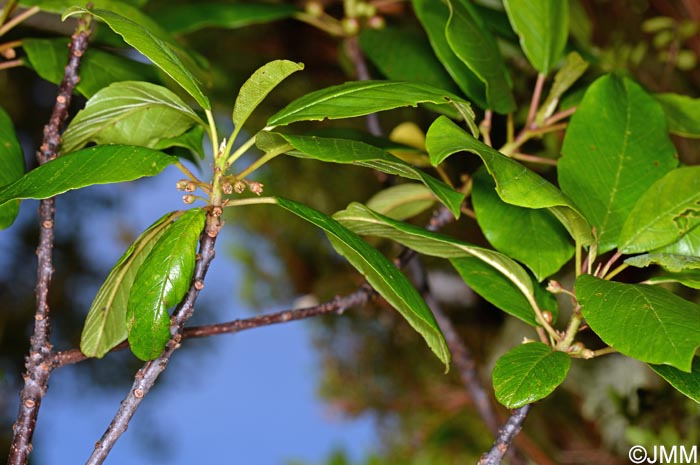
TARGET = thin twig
(18,19)
(535,102)
(505,437)
(11,64)
(337,305)
(352,46)
(38,362)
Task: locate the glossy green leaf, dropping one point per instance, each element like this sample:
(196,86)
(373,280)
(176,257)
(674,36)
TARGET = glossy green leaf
(103,164)
(160,52)
(402,201)
(497,289)
(359,98)
(186,18)
(403,55)
(472,42)
(643,322)
(573,68)
(664,213)
(615,148)
(671,262)
(689,278)
(98,69)
(256,88)
(11,166)
(686,383)
(382,275)
(528,373)
(191,140)
(681,113)
(129,113)
(688,244)
(359,153)
(161,282)
(364,221)
(434,15)
(515,184)
(543,27)
(531,236)
(105,324)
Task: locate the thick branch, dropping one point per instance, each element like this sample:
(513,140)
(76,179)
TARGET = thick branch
(505,437)
(38,362)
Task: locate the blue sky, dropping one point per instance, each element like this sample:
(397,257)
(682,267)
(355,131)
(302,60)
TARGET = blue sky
(250,401)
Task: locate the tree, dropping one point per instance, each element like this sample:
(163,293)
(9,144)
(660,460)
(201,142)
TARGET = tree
(595,252)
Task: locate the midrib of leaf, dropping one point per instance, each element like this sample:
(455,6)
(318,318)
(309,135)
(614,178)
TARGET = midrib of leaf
(616,182)
(122,112)
(660,216)
(123,267)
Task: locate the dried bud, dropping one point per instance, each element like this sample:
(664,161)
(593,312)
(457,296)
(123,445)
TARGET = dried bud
(239,187)
(217,212)
(376,22)
(351,26)
(314,8)
(255,187)
(190,187)
(554,287)
(227,187)
(188,198)
(182,184)
(547,315)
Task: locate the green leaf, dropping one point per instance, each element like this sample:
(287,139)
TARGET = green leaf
(615,148)
(573,68)
(191,140)
(671,262)
(183,19)
(160,283)
(129,113)
(382,275)
(359,153)
(256,88)
(543,27)
(403,55)
(11,166)
(359,98)
(98,69)
(103,164)
(688,244)
(664,213)
(689,279)
(402,201)
(528,373)
(155,48)
(500,291)
(472,42)
(681,113)
(533,237)
(434,15)
(643,322)
(686,383)
(105,324)
(364,221)
(515,184)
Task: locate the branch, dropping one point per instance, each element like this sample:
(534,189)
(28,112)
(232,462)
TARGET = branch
(338,305)
(148,374)
(352,47)
(505,437)
(38,362)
